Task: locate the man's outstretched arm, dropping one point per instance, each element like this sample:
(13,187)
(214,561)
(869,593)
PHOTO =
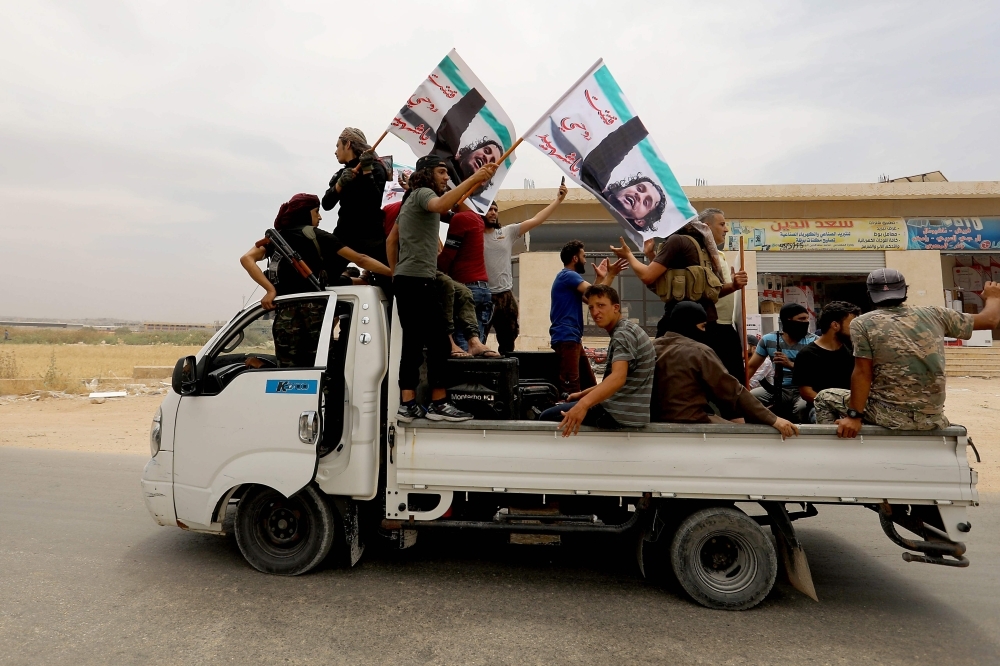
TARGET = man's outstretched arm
(544,213)
(989,318)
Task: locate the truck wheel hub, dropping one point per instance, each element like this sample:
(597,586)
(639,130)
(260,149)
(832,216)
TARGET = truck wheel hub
(727,562)
(282,525)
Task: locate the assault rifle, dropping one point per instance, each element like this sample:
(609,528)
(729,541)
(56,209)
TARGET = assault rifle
(286,251)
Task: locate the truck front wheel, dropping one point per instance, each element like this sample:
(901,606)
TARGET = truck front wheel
(723,559)
(282,535)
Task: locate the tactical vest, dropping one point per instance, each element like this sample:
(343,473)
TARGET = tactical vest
(689,284)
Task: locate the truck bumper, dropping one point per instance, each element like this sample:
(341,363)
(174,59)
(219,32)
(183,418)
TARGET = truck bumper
(158,488)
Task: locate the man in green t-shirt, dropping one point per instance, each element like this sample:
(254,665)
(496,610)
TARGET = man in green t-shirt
(421,315)
(898,380)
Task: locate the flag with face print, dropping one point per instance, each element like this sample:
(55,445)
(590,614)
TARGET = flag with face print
(453,115)
(597,139)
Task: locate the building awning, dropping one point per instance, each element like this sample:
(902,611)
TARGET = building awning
(820,262)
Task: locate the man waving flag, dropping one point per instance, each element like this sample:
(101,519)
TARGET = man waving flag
(454,116)
(596,138)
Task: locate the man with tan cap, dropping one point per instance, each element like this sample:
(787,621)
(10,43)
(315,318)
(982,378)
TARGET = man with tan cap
(898,380)
(359,193)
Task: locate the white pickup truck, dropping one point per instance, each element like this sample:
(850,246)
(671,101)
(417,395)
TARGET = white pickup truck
(311,459)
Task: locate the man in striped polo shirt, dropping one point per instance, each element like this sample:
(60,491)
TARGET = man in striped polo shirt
(622,399)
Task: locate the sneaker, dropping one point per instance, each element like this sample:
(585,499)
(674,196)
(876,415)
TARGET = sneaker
(406,413)
(447,412)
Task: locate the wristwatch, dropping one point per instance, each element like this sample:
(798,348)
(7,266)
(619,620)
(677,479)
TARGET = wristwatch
(854,414)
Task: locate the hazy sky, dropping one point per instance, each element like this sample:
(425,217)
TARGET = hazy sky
(145,146)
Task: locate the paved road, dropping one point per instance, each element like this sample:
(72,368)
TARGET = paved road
(86,577)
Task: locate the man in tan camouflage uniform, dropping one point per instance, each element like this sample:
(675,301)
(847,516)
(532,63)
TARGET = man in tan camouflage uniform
(898,380)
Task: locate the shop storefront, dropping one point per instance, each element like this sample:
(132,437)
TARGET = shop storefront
(810,243)
(814,261)
(970,256)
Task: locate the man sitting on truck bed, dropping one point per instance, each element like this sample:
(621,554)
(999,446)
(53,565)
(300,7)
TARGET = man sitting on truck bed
(622,398)
(898,380)
(689,375)
(421,315)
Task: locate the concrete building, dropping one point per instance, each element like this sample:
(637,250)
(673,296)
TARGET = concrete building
(821,239)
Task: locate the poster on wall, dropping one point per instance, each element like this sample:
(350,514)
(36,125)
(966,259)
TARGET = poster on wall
(956,233)
(821,234)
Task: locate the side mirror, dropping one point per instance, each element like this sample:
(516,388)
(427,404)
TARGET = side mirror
(185,378)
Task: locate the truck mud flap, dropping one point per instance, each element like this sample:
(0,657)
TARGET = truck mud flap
(352,546)
(790,550)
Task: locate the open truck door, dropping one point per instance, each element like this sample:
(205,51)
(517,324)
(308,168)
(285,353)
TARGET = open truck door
(251,408)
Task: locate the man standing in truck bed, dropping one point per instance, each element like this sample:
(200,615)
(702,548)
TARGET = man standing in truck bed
(499,246)
(898,380)
(421,315)
(566,315)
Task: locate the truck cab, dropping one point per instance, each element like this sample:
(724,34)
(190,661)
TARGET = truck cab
(288,415)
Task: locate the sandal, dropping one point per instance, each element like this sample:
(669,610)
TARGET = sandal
(489,353)
(461,354)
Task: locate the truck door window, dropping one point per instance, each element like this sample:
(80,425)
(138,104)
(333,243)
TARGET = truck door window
(285,337)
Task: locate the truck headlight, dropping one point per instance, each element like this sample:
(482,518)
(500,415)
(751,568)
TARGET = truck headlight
(154,433)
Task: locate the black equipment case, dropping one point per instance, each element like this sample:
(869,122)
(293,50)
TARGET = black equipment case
(487,388)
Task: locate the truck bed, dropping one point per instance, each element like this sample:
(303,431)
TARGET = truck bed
(735,462)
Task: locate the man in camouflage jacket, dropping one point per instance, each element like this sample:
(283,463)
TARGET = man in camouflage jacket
(898,380)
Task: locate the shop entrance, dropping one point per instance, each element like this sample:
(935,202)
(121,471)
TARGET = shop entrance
(813,279)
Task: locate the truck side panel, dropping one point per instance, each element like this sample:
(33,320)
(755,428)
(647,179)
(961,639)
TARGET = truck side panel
(814,467)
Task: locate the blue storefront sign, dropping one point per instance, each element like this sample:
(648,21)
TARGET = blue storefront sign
(956,233)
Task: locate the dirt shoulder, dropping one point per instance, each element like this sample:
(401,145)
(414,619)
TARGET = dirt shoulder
(121,425)
(118,425)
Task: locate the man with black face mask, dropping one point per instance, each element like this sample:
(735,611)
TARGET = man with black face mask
(795,336)
(689,375)
(566,315)
(829,360)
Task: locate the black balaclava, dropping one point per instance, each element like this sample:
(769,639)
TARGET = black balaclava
(796,330)
(684,320)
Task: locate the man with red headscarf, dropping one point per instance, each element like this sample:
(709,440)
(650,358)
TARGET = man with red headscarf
(297,324)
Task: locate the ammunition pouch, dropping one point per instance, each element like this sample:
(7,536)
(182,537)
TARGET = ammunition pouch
(692,283)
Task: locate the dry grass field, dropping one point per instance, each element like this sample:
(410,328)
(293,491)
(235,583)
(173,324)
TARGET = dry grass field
(62,367)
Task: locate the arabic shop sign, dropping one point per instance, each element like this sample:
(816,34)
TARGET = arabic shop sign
(825,234)
(956,233)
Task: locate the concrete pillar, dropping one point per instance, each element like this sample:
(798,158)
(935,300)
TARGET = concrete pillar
(536,271)
(922,270)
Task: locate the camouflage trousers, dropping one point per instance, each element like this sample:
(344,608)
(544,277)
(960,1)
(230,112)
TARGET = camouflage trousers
(831,404)
(296,333)
(459,309)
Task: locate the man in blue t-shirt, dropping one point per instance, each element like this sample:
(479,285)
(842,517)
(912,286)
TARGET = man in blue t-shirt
(566,315)
(795,337)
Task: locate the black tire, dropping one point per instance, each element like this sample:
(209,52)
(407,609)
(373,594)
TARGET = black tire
(284,536)
(723,559)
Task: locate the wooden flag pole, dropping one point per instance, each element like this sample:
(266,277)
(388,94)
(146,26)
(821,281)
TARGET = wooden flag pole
(743,319)
(499,161)
(372,149)
(378,141)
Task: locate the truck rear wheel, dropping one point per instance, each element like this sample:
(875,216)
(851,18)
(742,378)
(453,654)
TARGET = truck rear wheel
(282,535)
(723,559)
